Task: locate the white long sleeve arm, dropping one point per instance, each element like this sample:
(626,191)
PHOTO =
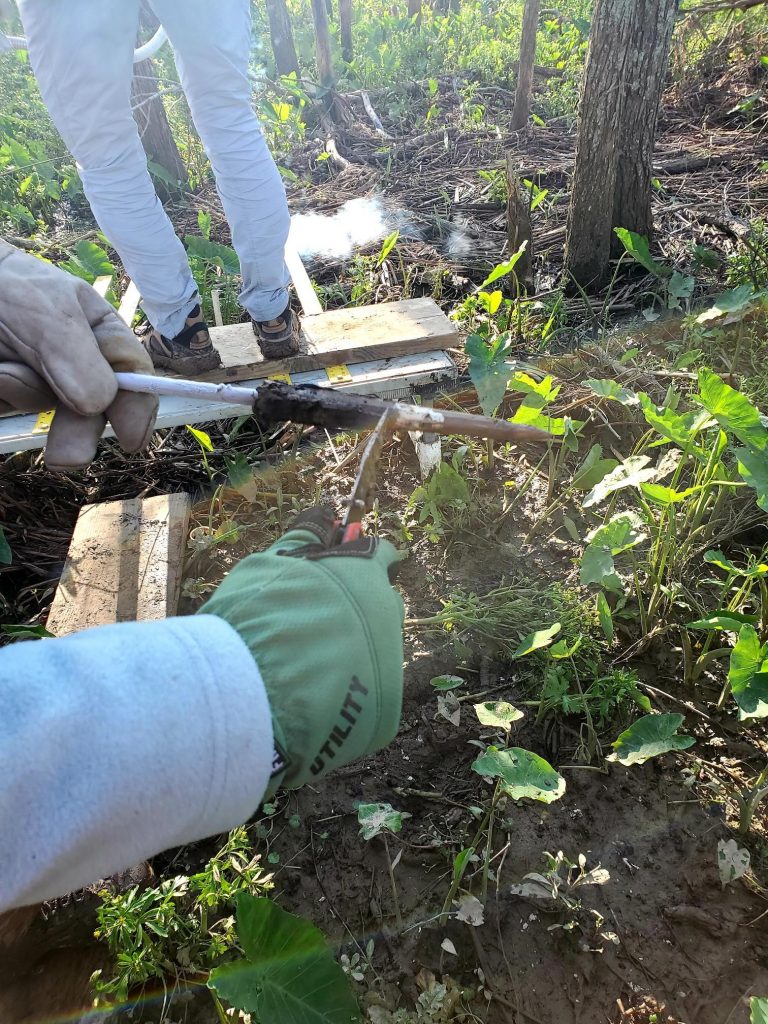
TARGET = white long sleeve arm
(123,741)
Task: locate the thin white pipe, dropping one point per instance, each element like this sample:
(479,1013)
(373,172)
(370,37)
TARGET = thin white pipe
(232,394)
(149,49)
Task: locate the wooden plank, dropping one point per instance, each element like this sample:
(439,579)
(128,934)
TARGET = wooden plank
(101,284)
(124,564)
(129,303)
(306,293)
(340,336)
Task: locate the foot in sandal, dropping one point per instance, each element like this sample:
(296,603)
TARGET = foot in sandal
(190,353)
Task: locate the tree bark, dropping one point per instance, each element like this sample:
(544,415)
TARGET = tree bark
(524,89)
(645,70)
(345,28)
(414,10)
(281,34)
(623,79)
(151,119)
(325,73)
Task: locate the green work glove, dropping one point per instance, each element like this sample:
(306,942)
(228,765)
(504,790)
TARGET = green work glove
(324,626)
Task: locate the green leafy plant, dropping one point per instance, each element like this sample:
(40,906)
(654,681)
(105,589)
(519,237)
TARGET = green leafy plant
(180,926)
(287,975)
(558,889)
(441,498)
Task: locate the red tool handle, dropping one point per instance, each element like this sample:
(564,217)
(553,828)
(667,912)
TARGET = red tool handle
(352,532)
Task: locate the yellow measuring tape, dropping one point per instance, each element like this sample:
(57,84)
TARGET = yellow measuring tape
(338,374)
(43,422)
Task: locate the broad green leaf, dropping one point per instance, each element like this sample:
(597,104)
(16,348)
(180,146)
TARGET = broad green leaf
(662,495)
(619,534)
(376,818)
(6,555)
(93,259)
(201,437)
(733,305)
(535,641)
(630,473)
(268,933)
(546,389)
(732,410)
(680,286)
(290,975)
(612,389)
(460,862)
(212,252)
(523,774)
(504,268)
(721,561)
(561,649)
(26,632)
(593,469)
(758,1005)
(749,683)
(686,359)
(387,245)
(498,714)
(532,416)
(638,248)
(723,620)
(488,370)
(706,257)
(490,301)
(648,737)
(443,683)
(682,429)
(204,223)
(753,468)
(605,617)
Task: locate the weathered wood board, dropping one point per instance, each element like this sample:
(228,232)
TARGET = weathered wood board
(339,336)
(124,564)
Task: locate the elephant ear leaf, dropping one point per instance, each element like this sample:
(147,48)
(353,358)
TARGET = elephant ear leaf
(648,737)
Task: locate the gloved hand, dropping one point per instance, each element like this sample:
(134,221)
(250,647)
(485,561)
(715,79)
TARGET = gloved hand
(60,344)
(325,627)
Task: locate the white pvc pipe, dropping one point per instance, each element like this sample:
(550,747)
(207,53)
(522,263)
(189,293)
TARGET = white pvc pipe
(149,49)
(144,384)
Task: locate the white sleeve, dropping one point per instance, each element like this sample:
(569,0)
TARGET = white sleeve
(123,741)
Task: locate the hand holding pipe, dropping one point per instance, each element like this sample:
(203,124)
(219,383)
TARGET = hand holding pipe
(327,407)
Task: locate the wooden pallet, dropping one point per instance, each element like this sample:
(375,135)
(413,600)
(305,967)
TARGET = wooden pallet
(124,564)
(338,338)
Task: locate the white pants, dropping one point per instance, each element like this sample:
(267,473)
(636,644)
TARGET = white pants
(82,53)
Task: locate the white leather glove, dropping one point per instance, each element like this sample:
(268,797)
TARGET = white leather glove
(60,344)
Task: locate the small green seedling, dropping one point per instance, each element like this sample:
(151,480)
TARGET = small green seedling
(378,820)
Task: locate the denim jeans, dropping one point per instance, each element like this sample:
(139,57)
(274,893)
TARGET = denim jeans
(82,55)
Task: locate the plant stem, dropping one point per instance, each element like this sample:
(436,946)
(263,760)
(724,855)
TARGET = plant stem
(456,882)
(392,882)
(223,1018)
(750,798)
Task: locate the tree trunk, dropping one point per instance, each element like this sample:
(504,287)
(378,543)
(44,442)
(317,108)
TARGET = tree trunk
(414,10)
(617,122)
(345,27)
(525,69)
(646,70)
(323,45)
(149,114)
(281,34)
